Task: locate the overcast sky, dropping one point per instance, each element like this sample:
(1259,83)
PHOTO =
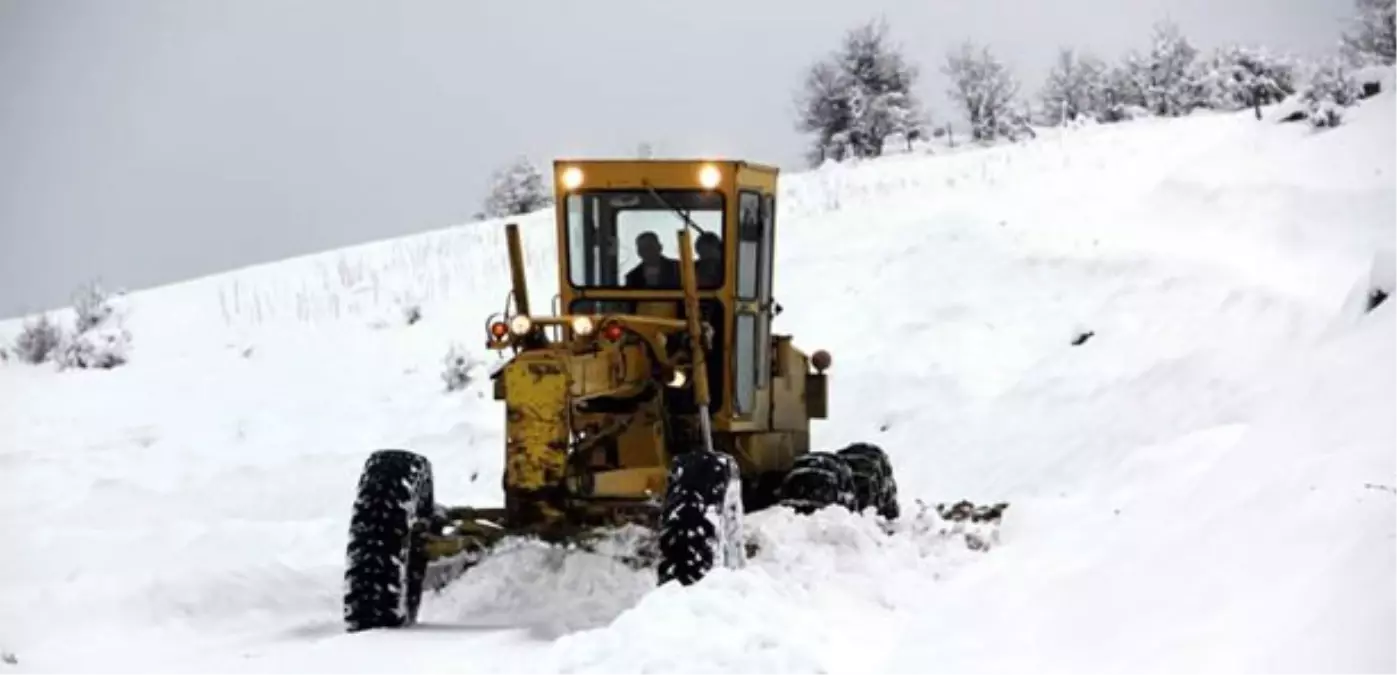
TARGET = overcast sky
(149,141)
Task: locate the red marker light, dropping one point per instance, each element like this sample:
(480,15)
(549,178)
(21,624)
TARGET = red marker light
(499,329)
(612,331)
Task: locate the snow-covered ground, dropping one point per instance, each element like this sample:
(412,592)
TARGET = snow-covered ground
(1207,483)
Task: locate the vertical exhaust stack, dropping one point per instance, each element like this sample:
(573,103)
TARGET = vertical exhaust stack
(516,268)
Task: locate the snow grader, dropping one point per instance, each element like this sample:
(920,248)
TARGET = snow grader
(658,395)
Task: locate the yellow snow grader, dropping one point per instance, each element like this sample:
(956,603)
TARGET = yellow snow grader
(658,395)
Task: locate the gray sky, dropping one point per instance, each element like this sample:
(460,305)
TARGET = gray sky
(155,140)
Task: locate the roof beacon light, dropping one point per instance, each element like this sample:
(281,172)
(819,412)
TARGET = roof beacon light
(709,176)
(572,178)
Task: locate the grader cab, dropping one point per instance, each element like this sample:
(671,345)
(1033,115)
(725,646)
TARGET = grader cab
(658,395)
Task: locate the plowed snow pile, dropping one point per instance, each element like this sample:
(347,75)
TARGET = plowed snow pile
(1206,482)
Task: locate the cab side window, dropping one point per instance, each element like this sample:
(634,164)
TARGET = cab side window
(746,334)
(749,240)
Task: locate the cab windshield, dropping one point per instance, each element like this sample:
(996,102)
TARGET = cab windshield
(630,239)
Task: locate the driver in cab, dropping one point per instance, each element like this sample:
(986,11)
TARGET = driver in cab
(654,270)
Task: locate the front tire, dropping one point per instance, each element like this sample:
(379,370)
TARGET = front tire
(701,523)
(874,485)
(386,559)
(817,480)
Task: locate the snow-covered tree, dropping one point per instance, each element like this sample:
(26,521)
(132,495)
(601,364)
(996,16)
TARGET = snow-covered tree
(1076,86)
(1236,77)
(984,89)
(1170,74)
(516,189)
(859,97)
(1374,35)
(826,110)
(1124,95)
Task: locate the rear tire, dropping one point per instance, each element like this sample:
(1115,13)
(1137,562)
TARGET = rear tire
(874,485)
(386,558)
(817,480)
(701,524)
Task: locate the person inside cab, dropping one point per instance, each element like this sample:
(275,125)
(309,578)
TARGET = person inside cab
(654,270)
(710,260)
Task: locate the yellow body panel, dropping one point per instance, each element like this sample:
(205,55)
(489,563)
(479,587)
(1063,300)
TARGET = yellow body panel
(537,429)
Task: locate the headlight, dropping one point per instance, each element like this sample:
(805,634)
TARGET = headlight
(520,325)
(678,379)
(572,178)
(709,176)
(582,325)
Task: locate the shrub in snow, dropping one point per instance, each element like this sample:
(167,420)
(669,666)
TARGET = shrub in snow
(1330,89)
(412,313)
(985,90)
(93,306)
(100,347)
(459,365)
(100,340)
(516,189)
(38,340)
(859,97)
(1325,115)
(1373,39)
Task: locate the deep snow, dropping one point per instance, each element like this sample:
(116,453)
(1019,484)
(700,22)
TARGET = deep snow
(1206,483)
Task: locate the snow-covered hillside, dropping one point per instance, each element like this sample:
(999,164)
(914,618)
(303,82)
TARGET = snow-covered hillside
(1207,482)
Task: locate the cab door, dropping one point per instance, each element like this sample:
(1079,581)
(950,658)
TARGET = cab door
(751,366)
